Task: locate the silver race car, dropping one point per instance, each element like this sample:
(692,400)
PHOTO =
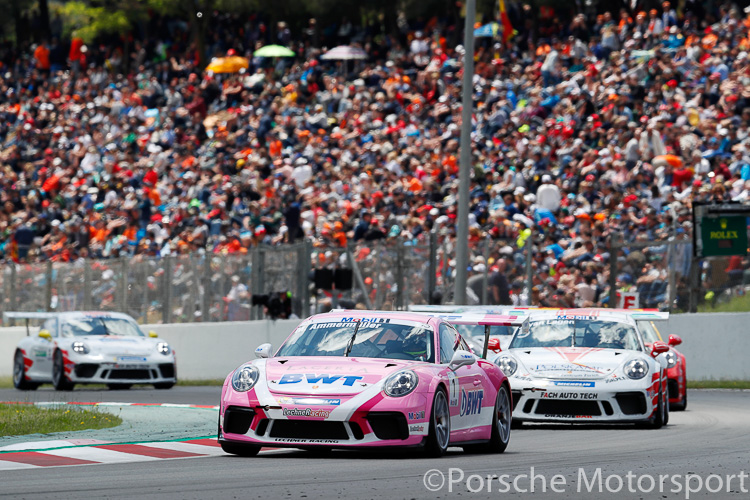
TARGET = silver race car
(91,348)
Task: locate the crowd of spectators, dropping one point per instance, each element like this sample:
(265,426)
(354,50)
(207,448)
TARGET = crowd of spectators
(582,129)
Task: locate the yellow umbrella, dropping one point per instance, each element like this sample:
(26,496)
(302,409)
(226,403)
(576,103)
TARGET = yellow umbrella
(229,64)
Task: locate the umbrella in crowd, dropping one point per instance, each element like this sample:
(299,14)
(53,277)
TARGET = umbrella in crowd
(344,53)
(273,51)
(229,64)
(488,30)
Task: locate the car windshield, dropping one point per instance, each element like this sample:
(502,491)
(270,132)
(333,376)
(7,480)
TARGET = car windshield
(95,325)
(576,333)
(476,332)
(648,331)
(368,338)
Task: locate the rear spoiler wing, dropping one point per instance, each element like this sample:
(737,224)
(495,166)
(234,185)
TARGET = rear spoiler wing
(28,316)
(650,316)
(486,320)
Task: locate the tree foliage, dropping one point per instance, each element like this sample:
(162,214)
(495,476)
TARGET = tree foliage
(89,21)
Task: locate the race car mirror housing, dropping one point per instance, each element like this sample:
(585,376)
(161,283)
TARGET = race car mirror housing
(658,347)
(153,334)
(45,334)
(263,351)
(675,340)
(462,358)
(494,345)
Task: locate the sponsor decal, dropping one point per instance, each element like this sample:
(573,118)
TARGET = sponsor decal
(416,428)
(569,395)
(471,402)
(310,401)
(574,383)
(132,359)
(453,384)
(614,378)
(40,353)
(344,324)
(555,415)
(416,415)
(305,412)
(568,367)
(368,320)
(293,378)
(306,441)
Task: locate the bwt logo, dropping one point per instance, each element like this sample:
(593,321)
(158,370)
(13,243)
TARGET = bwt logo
(293,378)
(471,402)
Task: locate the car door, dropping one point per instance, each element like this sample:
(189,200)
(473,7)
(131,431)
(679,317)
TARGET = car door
(42,349)
(466,389)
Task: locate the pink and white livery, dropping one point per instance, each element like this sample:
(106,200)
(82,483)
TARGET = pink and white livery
(358,379)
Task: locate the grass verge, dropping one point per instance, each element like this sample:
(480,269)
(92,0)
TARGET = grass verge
(736,304)
(718,384)
(7,383)
(17,420)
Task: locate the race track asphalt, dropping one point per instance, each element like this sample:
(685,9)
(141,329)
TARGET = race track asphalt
(711,438)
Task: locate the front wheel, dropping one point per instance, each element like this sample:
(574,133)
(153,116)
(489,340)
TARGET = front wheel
(501,426)
(241,450)
(19,374)
(661,416)
(681,406)
(440,426)
(59,379)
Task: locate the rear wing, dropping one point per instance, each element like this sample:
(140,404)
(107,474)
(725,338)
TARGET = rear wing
(28,316)
(486,320)
(650,316)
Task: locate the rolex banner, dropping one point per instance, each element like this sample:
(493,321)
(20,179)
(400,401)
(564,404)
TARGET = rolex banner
(725,235)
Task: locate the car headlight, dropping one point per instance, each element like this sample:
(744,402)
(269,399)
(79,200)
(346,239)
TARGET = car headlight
(507,364)
(400,383)
(163,348)
(636,369)
(671,358)
(80,347)
(244,378)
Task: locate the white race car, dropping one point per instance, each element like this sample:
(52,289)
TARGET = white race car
(91,348)
(585,365)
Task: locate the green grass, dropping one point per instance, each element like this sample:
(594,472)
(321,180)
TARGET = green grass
(736,304)
(718,384)
(20,419)
(7,383)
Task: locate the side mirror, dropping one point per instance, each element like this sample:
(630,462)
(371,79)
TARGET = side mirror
(45,334)
(462,358)
(658,347)
(494,345)
(675,340)
(263,351)
(153,334)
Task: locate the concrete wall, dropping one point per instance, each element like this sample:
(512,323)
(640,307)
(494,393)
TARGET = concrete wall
(715,344)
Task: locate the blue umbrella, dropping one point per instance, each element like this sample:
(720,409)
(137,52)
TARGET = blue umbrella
(488,30)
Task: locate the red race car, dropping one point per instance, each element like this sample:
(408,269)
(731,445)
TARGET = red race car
(676,367)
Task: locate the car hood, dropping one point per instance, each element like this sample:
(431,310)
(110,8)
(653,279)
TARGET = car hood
(116,345)
(327,375)
(570,362)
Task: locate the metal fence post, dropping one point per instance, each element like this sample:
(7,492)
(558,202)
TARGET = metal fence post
(695,284)
(87,285)
(304,266)
(123,284)
(13,288)
(613,270)
(206,282)
(167,305)
(256,288)
(529,258)
(400,275)
(432,268)
(48,287)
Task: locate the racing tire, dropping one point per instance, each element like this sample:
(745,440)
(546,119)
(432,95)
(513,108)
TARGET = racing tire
(59,379)
(19,374)
(119,387)
(501,426)
(681,406)
(241,450)
(164,385)
(661,415)
(439,435)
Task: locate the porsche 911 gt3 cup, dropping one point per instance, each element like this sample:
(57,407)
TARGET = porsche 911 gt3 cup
(585,365)
(367,379)
(91,348)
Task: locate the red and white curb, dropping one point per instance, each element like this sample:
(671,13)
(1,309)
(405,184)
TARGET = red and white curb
(84,452)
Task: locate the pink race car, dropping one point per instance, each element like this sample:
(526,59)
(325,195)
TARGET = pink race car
(358,379)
